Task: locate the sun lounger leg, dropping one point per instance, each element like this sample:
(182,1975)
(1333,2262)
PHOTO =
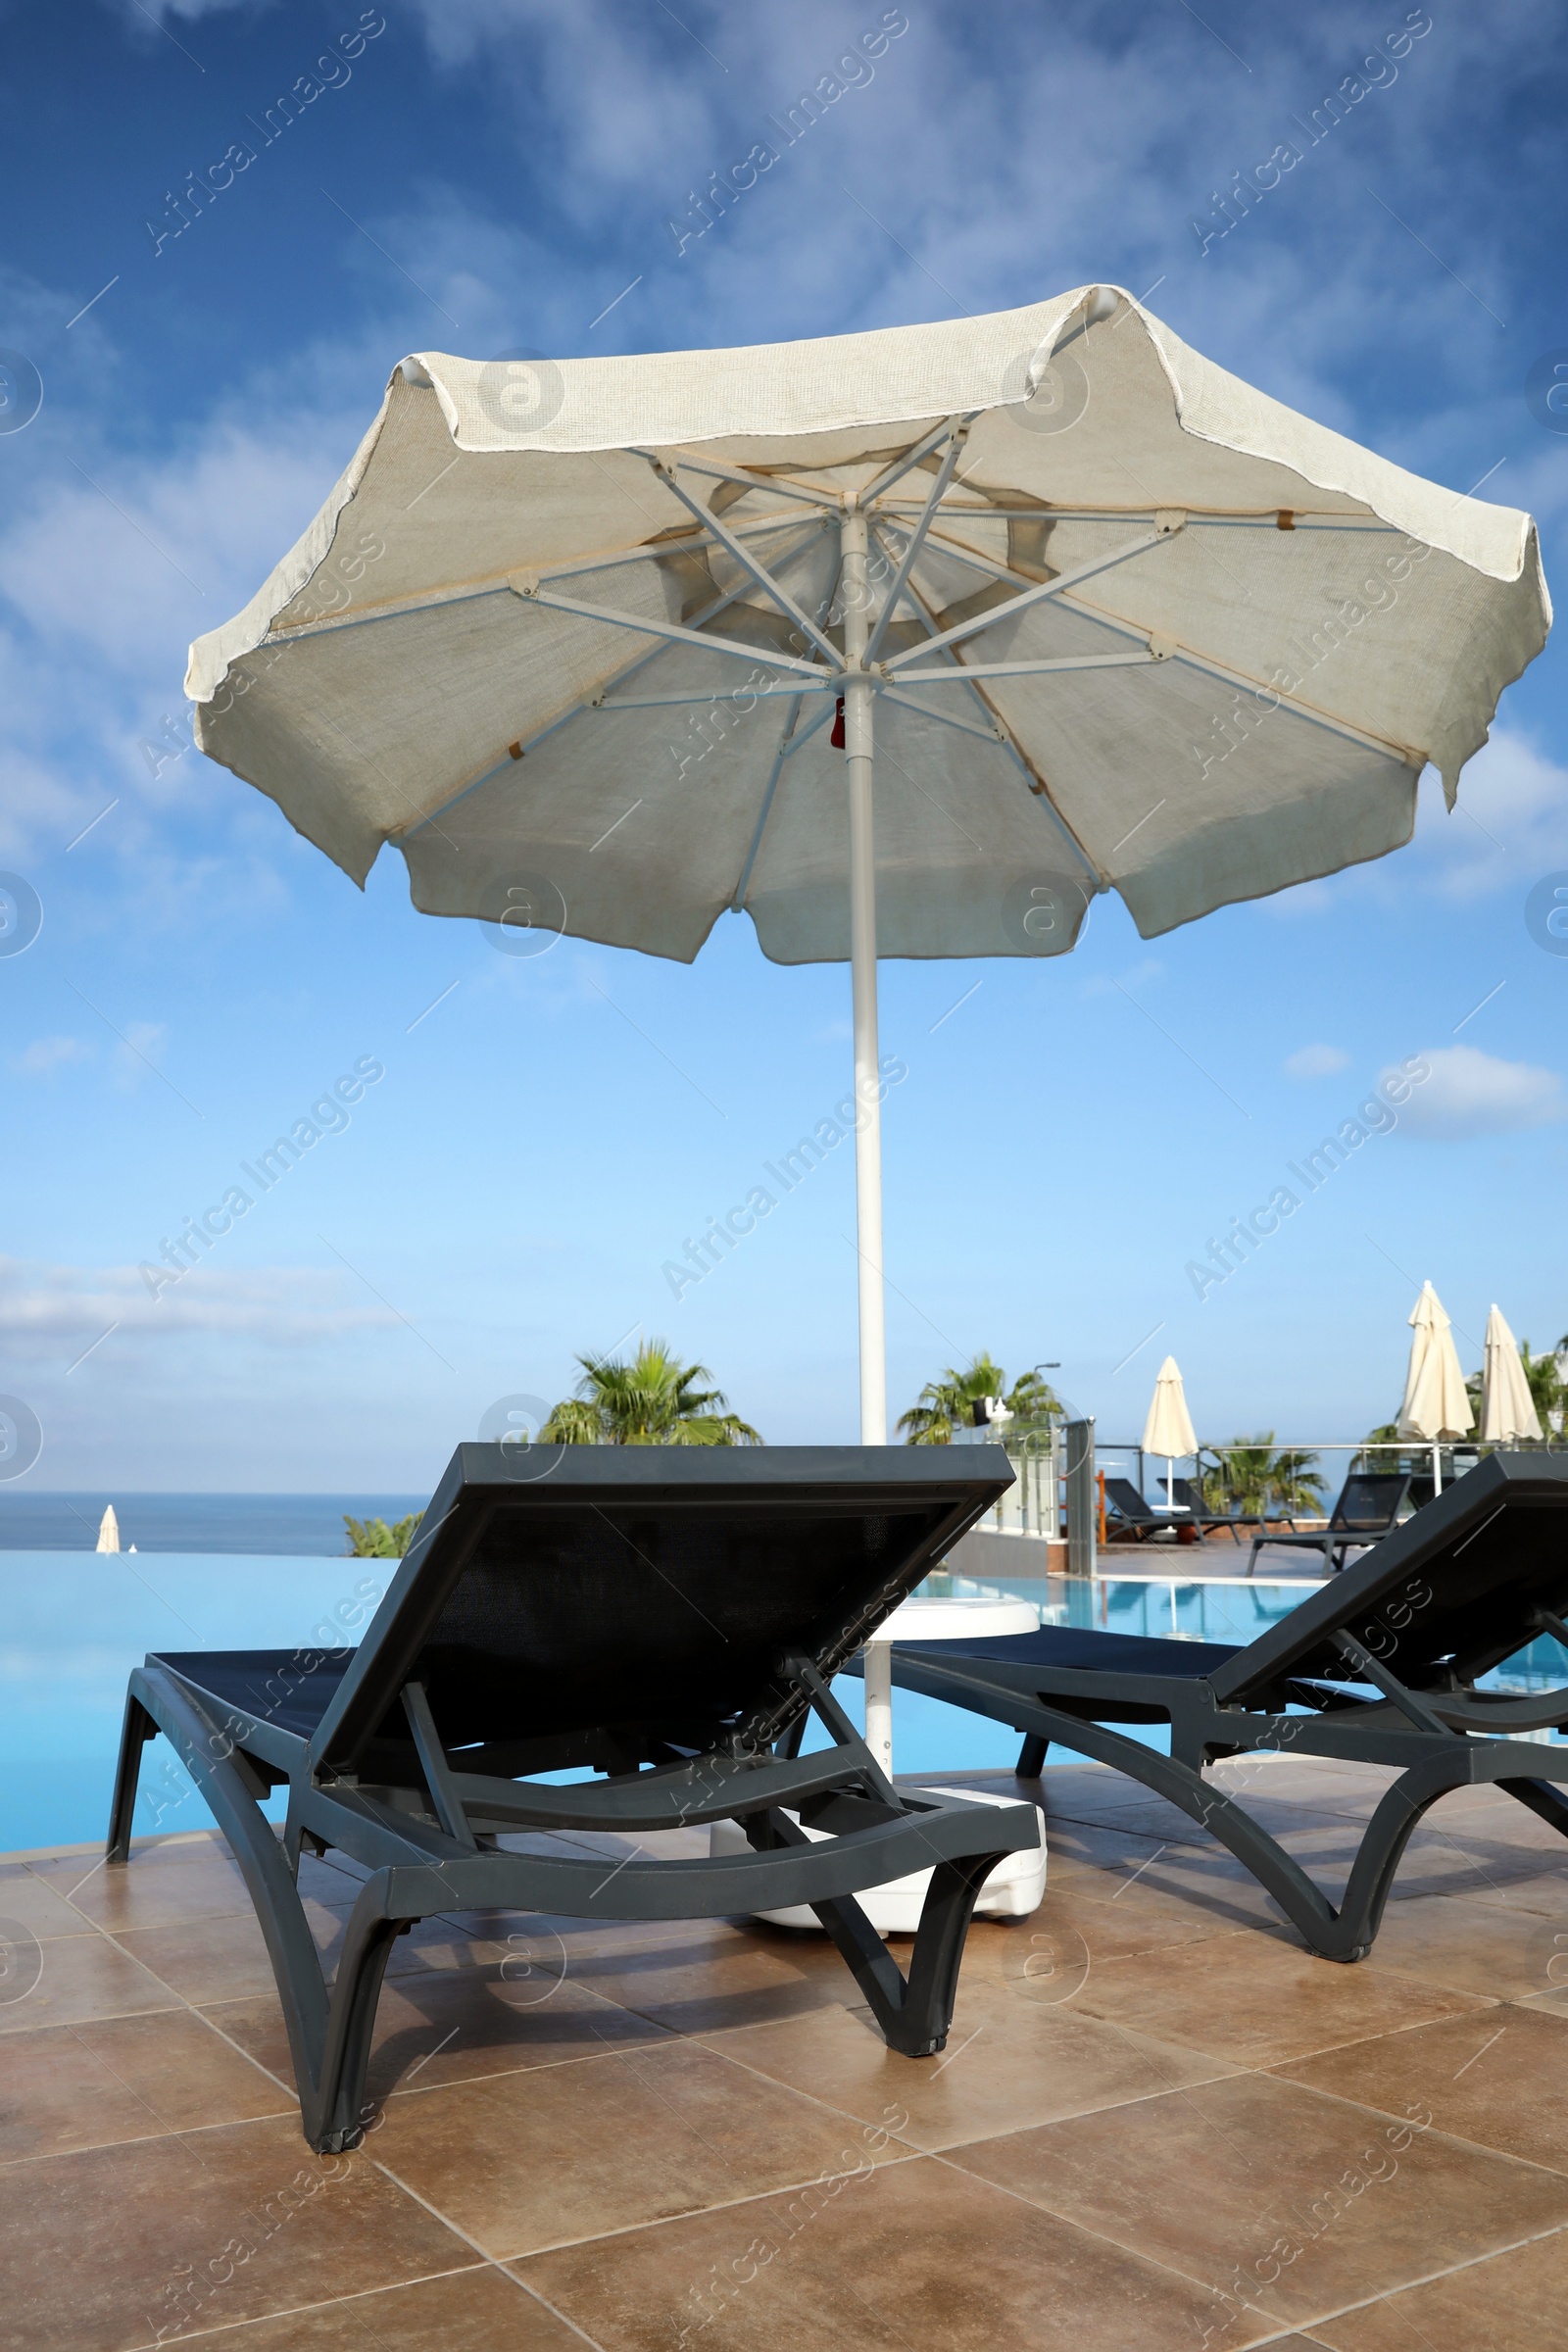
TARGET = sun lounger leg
(1544,1797)
(914,2017)
(335,2113)
(1031,1757)
(138,1729)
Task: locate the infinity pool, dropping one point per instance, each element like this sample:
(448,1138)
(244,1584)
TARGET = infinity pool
(75,1623)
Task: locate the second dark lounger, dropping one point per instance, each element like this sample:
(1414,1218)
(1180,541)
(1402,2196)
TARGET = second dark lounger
(1382,1665)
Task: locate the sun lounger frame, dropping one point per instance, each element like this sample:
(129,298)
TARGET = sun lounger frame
(1437,1739)
(420,1823)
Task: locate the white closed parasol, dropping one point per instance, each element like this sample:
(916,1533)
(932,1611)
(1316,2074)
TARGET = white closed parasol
(1507,1408)
(612,647)
(1437,1403)
(1169,1429)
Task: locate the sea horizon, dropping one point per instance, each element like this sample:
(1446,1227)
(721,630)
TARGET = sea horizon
(283,1524)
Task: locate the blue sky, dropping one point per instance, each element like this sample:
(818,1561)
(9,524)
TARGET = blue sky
(489,178)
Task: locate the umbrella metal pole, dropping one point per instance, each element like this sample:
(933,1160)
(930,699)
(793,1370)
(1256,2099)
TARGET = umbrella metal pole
(858,749)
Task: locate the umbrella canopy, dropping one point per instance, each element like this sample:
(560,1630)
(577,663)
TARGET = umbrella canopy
(1169,1429)
(1507,1408)
(108,1531)
(586,640)
(1437,1405)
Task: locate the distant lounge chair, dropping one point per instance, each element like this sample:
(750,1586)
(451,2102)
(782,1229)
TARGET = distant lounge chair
(1370,1503)
(1128,1514)
(1184,1491)
(1384,1658)
(668,1616)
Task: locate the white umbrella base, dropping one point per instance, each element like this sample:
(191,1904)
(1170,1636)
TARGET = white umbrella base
(1015,1888)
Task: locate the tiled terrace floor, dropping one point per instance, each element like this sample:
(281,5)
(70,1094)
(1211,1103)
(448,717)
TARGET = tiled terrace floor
(1157,2124)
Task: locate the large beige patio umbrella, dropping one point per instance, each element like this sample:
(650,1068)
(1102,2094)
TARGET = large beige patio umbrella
(1437,1405)
(1507,1408)
(614,646)
(1169,1429)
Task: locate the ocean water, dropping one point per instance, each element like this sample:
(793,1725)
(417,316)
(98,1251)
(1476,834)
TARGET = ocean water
(73,1623)
(287,1526)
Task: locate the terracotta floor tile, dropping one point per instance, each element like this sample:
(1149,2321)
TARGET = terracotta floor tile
(82,1977)
(914,2256)
(1513,2303)
(524,2160)
(1012,2058)
(98,2248)
(1543,1892)
(1258,2001)
(721,1976)
(1199,1878)
(30,1901)
(1072,1930)
(1249,2184)
(477,2310)
(439,2027)
(1471,1945)
(123,2077)
(223,1957)
(170,1880)
(1495,2077)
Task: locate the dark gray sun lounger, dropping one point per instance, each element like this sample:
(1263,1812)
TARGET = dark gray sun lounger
(1127,1514)
(667,1616)
(1185,1491)
(1383,1660)
(1369,1504)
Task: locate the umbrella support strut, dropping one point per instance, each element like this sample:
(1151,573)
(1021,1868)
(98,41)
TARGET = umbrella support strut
(859,696)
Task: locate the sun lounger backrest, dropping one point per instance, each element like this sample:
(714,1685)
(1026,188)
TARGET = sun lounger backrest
(1452,1590)
(1370,1499)
(573,1588)
(1123,1497)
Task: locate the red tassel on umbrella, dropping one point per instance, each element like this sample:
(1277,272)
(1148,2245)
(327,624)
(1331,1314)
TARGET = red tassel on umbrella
(836,739)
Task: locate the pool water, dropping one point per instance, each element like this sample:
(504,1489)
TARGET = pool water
(75,1623)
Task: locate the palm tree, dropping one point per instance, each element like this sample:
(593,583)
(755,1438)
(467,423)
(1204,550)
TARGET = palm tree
(948,1402)
(374,1539)
(1250,1477)
(654,1401)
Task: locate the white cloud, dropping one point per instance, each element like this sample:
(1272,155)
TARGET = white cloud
(50,1312)
(1470,1093)
(47,1054)
(1316,1062)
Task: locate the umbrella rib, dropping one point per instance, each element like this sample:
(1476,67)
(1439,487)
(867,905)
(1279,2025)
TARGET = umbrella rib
(788,741)
(577,709)
(1034,595)
(741,554)
(942,718)
(1255,519)
(884,481)
(672,630)
(826,499)
(738,894)
(954,451)
(1045,666)
(1240,679)
(650,551)
(1037,784)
